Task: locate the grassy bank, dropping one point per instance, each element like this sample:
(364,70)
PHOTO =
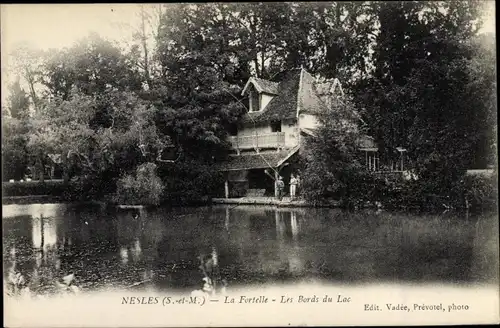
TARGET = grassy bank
(52,190)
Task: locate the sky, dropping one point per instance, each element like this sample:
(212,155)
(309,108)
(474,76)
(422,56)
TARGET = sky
(59,25)
(46,26)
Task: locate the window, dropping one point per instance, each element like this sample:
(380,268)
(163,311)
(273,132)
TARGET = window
(254,100)
(276,126)
(233,130)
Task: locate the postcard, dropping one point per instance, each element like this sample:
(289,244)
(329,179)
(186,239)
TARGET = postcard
(249,164)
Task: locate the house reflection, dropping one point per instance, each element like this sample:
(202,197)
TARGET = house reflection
(280,226)
(288,225)
(129,228)
(226,220)
(136,250)
(285,218)
(295,225)
(124,254)
(133,251)
(45,210)
(12,259)
(268,239)
(44,240)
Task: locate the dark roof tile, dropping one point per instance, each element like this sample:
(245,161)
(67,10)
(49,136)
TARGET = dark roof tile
(309,102)
(284,105)
(295,91)
(267,86)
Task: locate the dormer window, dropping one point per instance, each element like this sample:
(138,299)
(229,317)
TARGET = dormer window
(254,100)
(260,93)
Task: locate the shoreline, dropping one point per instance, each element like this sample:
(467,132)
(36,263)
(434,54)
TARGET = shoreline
(257,201)
(286,202)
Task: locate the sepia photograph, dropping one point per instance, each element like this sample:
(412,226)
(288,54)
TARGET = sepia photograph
(250,164)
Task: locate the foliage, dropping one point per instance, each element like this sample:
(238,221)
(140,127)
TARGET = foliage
(14,150)
(481,191)
(145,188)
(26,64)
(66,127)
(472,192)
(18,102)
(15,157)
(189,181)
(431,90)
(417,72)
(28,188)
(197,92)
(93,65)
(332,168)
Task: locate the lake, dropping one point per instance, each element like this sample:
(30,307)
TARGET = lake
(159,249)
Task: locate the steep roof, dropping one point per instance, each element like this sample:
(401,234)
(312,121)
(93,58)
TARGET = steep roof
(283,105)
(262,85)
(308,99)
(294,94)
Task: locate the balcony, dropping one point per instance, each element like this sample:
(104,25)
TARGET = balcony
(275,140)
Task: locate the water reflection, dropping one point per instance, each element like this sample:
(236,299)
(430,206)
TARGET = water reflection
(44,232)
(252,244)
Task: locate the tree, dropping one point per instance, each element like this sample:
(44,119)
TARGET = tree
(417,94)
(145,188)
(18,101)
(14,148)
(15,133)
(424,92)
(196,94)
(93,65)
(65,126)
(26,62)
(141,50)
(332,165)
(482,87)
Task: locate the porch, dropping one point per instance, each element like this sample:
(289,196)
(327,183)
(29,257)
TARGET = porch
(255,174)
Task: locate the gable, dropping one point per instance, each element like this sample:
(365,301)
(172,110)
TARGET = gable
(295,94)
(284,105)
(260,85)
(308,99)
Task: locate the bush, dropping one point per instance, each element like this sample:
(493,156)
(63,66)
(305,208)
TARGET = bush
(145,188)
(476,192)
(15,158)
(190,181)
(98,187)
(481,191)
(31,188)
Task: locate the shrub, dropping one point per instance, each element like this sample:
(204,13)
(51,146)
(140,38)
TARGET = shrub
(31,188)
(97,187)
(190,181)
(481,191)
(145,188)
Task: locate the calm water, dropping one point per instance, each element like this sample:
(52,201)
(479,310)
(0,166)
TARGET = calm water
(256,245)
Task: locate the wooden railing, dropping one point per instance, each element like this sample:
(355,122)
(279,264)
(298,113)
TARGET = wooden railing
(259,141)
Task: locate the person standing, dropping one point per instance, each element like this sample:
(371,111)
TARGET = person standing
(280,185)
(293,187)
(297,191)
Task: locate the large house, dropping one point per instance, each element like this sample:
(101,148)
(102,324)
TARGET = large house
(270,135)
